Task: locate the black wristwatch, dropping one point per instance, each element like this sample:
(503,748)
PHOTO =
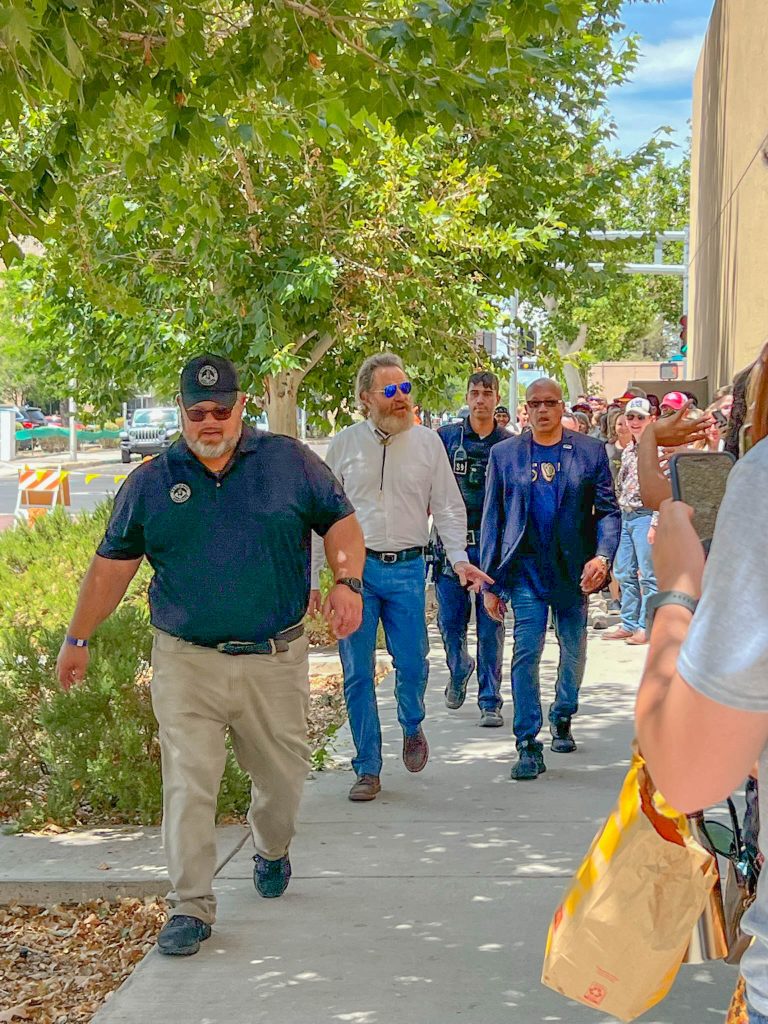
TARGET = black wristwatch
(353,583)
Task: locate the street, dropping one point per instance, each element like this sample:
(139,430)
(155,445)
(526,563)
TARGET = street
(85,496)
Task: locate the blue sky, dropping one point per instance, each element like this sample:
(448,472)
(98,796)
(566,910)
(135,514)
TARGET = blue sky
(660,91)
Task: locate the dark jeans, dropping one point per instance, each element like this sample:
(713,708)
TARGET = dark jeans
(755,1017)
(531,615)
(454,607)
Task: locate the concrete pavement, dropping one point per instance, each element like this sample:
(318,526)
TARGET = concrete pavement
(431,903)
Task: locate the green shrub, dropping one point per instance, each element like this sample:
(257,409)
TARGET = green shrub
(92,753)
(53,444)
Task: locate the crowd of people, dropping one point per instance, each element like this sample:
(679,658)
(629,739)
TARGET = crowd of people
(532,517)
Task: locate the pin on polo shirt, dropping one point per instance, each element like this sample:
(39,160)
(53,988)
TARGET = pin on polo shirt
(180,493)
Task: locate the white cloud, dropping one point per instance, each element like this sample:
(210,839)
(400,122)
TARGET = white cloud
(671,62)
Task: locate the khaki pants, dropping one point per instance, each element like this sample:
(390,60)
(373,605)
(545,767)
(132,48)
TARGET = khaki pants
(197,694)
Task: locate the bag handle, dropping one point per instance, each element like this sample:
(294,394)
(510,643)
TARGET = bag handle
(738,834)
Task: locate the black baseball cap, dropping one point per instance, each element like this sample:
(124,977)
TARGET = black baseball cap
(501,409)
(208,378)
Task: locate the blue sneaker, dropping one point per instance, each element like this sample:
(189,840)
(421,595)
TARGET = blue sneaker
(271,877)
(182,935)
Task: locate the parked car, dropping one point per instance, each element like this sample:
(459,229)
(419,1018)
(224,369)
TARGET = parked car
(150,432)
(34,416)
(22,423)
(62,422)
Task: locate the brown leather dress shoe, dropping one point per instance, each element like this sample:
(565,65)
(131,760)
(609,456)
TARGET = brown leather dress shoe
(367,787)
(415,751)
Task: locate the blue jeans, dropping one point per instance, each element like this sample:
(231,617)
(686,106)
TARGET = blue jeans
(531,614)
(454,607)
(395,594)
(635,555)
(755,1017)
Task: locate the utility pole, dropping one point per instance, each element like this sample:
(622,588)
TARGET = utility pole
(72,423)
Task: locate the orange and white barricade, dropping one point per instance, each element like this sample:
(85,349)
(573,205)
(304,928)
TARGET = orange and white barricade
(40,490)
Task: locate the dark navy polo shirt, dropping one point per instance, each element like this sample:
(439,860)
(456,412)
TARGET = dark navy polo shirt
(478,449)
(230,551)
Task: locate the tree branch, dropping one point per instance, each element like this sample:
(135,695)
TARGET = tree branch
(143,38)
(299,345)
(309,11)
(324,343)
(254,206)
(22,213)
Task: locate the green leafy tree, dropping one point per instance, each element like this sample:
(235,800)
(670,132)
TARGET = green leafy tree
(611,315)
(296,197)
(30,339)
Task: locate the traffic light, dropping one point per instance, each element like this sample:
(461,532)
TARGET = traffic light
(684,335)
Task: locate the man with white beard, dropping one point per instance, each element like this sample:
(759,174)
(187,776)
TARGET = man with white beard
(395,473)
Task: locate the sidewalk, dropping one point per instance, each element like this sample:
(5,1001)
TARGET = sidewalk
(428,905)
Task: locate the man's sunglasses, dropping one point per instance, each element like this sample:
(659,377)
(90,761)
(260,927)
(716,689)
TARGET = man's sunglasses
(391,389)
(547,403)
(634,416)
(219,412)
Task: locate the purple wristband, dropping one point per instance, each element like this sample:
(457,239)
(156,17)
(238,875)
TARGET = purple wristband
(74,642)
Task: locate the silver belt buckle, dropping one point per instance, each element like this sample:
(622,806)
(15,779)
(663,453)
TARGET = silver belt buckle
(471,537)
(389,557)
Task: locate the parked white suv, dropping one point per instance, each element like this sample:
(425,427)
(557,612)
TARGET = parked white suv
(149,432)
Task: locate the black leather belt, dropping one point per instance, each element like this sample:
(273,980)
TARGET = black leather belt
(276,646)
(390,557)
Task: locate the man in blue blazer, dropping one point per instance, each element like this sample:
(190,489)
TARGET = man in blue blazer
(550,530)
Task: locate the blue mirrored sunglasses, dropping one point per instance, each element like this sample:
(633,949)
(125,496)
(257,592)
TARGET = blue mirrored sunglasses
(391,389)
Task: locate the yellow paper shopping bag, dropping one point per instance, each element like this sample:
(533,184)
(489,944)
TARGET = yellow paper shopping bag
(617,940)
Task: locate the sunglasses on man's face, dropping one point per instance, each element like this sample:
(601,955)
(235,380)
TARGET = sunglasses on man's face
(219,412)
(634,416)
(391,389)
(547,403)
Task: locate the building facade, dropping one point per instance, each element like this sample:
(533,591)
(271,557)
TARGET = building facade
(728,303)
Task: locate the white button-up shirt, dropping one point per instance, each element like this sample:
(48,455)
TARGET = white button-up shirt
(394,488)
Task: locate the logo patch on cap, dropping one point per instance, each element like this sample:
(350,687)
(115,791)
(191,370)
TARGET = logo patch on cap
(180,493)
(207,376)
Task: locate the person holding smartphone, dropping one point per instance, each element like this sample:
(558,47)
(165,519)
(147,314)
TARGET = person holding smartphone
(702,706)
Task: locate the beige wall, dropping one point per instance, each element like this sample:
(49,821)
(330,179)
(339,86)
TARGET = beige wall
(612,379)
(728,306)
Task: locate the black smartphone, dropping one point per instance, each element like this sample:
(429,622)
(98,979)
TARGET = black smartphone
(699,479)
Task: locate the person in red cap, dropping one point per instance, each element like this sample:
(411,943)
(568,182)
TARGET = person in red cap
(673,402)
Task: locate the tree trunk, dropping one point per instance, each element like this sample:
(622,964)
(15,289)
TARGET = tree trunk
(280,391)
(573,380)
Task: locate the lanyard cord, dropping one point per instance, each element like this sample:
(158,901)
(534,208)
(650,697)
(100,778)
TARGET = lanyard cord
(383,462)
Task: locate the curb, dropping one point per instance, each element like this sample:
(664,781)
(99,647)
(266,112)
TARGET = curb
(31,893)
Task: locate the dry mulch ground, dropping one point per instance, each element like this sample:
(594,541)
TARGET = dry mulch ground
(58,965)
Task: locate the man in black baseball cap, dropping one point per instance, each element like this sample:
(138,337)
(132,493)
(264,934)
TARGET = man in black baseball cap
(224,517)
(208,378)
